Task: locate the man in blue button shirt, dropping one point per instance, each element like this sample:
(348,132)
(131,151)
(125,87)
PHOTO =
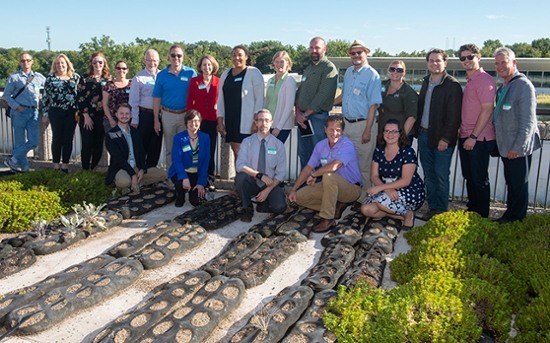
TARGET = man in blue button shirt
(22,94)
(170,98)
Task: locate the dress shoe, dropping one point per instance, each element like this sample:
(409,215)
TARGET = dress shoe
(428,215)
(408,227)
(340,208)
(247,215)
(501,220)
(324,226)
(357,206)
(260,207)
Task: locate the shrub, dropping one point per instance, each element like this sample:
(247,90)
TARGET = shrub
(19,208)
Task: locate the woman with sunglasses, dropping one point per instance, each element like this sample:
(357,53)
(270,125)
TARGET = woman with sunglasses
(59,101)
(398,190)
(399,100)
(115,92)
(240,97)
(280,96)
(90,106)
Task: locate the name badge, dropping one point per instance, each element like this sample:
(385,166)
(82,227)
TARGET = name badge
(215,106)
(36,86)
(506,106)
(202,86)
(127,90)
(238,79)
(272,84)
(356,91)
(304,78)
(150,82)
(184,78)
(396,95)
(103,83)
(186,148)
(271,151)
(324,161)
(383,89)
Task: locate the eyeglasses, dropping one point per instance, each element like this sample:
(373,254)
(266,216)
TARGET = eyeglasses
(147,60)
(176,55)
(353,53)
(391,132)
(27,61)
(265,120)
(121,68)
(469,57)
(97,62)
(393,70)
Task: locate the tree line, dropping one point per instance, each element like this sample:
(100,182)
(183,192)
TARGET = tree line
(261,51)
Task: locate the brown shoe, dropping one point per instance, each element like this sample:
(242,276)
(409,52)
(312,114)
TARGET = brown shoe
(356,206)
(247,215)
(324,226)
(340,208)
(260,207)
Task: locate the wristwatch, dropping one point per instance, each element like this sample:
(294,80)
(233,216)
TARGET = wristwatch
(259,176)
(472,136)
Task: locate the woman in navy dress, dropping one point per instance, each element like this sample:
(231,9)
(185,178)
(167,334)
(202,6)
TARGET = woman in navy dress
(398,190)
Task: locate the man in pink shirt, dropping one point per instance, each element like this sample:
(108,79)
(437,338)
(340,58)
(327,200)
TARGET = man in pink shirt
(477,135)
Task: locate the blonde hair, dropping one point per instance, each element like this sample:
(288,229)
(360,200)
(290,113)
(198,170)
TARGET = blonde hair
(70,68)
(285,56)
(398,62)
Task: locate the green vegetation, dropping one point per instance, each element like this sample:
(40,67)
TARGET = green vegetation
(46,194)
(543,101)
(463,274)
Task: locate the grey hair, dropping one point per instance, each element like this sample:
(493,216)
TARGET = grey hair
(506,52)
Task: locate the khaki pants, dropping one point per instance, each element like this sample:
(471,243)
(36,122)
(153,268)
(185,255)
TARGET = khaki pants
(172,124)
(354,131)
(153,175)
(324,195)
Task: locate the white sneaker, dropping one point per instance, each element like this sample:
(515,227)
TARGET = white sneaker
(13,166)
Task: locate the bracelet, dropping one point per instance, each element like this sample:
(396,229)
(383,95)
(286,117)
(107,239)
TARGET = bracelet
(313,176)
(472,136)
(259,176)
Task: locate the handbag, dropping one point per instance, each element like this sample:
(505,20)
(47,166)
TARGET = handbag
(29,80)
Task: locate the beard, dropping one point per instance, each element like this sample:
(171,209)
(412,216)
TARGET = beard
(314,57)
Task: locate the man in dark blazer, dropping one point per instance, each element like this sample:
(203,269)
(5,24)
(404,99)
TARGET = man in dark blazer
(127,164)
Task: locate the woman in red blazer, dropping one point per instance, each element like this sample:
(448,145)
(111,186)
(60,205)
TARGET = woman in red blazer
(203,97)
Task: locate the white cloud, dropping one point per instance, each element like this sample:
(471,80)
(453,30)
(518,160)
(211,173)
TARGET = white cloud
(494,16)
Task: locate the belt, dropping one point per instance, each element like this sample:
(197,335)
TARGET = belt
(31,107)
(354,120)
(148,110)
(172,111)
(423,129)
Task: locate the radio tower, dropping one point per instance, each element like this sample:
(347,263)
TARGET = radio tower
(48,40)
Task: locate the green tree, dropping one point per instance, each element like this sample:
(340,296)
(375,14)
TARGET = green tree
(489,47)
(542,44)
(338,47)
(379,53)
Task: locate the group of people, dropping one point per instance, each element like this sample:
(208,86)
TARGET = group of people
(362,157)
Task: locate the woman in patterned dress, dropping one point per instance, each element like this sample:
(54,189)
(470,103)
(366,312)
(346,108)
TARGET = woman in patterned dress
(398,190)
(59,101)
(115,92)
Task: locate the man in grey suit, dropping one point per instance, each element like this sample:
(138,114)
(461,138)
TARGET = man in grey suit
(517,132)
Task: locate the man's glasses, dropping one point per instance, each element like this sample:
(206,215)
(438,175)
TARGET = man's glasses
(27,61)
(393,70)
(469,57)
(263,120)
(176,55)
(358,53)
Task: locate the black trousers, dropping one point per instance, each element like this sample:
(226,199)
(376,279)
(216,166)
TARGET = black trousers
(247,187)
(152,143)
(63,125)
(92,141)
(180,192)
(211,128)
(516,174)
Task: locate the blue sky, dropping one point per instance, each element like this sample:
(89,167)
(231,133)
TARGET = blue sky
(392,26)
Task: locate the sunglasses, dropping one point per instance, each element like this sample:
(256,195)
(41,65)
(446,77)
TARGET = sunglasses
(97,62)
(28,61)
(469,57)
(353,53)
(121,68)
(176,55)
(393,70)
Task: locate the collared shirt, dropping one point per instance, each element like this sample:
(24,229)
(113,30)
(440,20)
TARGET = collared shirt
(317,88)
(344,151)
(131,156)
(28,97)
(275,159)
(480,89)
(141,92)
(425,121)
(173,89)
(362,88)
(272,92)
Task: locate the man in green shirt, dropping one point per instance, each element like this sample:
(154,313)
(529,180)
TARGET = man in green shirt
(315,97)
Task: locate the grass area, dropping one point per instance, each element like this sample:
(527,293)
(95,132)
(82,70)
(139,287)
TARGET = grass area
(543,100)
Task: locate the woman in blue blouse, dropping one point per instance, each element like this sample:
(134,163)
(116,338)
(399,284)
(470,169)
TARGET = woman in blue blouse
(190,159)
(398,190)
(59,109)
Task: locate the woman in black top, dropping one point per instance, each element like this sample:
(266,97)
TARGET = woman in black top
(59,101)
(90,105)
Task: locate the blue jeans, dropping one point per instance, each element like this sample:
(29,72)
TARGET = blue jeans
(436,165)
(516,174)
(24,121)
(475,170)
(307,144)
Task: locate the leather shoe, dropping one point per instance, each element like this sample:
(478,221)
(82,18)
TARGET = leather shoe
(428,215)
(247,214)
(324,226)
(260,207)
(340,208)
(357,206)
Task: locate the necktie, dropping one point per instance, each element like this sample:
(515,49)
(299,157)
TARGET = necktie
(261,158)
